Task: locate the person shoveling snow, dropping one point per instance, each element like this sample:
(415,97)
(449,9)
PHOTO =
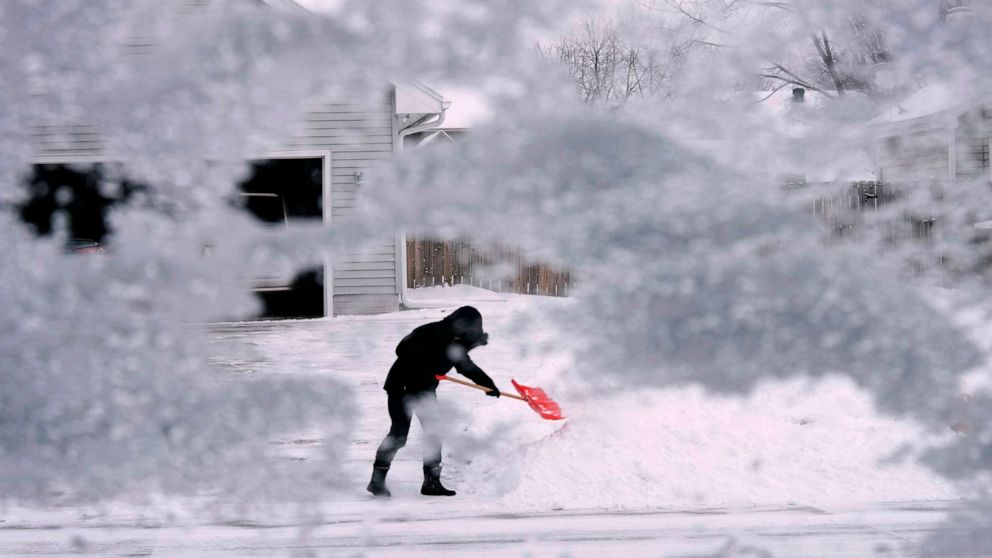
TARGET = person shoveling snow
(411,386)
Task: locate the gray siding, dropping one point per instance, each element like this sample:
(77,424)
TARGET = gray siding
(972,136)
(917,155)
(58,141)
(357,130)
(358,136)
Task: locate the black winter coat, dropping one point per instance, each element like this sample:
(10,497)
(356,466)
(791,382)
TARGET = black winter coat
(436,347)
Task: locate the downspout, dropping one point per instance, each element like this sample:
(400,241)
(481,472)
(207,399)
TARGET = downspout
(401,238)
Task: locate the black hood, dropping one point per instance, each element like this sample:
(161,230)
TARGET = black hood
(466,326)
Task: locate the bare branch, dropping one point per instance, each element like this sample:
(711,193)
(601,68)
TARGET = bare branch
(822,45)
(773,91)
(679,8)
(794,80)
(780,5)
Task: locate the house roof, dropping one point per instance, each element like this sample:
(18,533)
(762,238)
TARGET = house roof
(928,101)
(417,98)
(937,103)
(284,5)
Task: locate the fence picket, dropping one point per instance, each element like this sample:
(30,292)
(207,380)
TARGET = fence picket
(433,261)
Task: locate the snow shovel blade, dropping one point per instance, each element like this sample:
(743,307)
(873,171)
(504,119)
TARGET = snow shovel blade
(539,401)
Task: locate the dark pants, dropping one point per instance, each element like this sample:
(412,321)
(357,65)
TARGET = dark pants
(401,410)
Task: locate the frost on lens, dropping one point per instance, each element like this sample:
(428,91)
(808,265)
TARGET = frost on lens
(108,386)
(677,187)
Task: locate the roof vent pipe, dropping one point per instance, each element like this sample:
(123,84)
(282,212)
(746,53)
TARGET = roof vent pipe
(798,95)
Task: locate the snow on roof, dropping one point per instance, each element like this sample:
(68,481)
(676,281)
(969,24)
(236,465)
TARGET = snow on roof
(932,99)
(284,5)
(327,6)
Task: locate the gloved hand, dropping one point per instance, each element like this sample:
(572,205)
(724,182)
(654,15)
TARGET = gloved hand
(493,391)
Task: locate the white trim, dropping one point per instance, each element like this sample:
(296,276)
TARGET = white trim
(400,239)
(988,145)
(952,154)
(72,159)
(399,135)
(401,255)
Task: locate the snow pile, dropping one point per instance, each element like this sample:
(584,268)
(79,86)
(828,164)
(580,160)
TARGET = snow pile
(808,442)
(790,443)
(454,294)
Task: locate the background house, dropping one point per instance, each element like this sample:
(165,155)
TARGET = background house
(937,133)
(313,173)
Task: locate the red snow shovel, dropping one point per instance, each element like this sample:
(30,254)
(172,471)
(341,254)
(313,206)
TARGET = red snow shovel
(534,396)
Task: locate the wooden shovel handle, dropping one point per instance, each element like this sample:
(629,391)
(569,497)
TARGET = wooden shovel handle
(477,386)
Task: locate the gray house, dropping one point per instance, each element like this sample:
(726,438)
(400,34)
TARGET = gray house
(936,133)
(342,138)
(942,131)
(314,173)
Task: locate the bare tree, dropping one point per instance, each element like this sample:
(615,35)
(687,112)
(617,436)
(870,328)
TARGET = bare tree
(840,62)
(837,59)
(609,68)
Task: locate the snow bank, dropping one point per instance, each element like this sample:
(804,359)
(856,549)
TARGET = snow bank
(451,295)
(796,442)
(799,441)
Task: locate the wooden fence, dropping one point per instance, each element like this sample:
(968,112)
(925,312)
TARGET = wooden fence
(843,211)
(433,261)
(847,213)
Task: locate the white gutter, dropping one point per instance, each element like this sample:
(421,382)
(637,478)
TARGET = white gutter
(401,238)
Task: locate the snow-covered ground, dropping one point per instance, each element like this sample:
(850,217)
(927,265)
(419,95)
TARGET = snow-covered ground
(810,443)
(646,469)
(460,528)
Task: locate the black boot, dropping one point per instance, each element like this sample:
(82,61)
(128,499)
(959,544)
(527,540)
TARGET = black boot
(432,483)
(377,486)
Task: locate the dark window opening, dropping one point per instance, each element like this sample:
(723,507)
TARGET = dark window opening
(83,193)
(298,183)
(303,297)
(278,192)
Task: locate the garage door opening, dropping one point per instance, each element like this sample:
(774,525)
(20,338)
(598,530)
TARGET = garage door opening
(281,191)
